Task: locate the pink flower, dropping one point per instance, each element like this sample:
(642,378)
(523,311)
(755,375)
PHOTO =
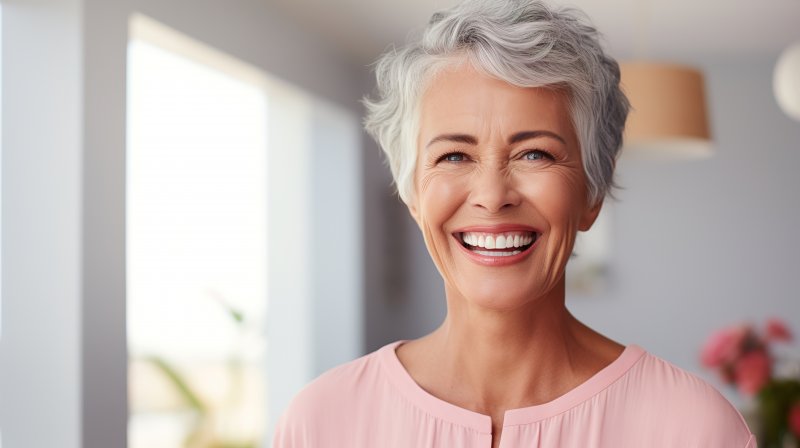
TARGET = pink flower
(777,331)
(794,418)
(752,372)
(723,346)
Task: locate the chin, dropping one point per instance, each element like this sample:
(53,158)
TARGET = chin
(496,295)
(498,292)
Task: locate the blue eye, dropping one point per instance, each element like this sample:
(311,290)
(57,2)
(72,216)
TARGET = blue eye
(453,157)
(537,154)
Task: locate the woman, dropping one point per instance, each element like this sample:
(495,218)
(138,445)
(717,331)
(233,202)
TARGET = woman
(502,127)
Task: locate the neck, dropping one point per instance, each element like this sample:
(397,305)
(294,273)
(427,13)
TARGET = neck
(505,359)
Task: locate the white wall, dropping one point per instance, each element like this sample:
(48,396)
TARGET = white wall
(315,258)
(40,350)
(336,243)
(697,244)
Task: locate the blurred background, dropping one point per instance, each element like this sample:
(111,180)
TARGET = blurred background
(194,224)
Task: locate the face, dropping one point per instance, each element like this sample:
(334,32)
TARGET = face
(500,187)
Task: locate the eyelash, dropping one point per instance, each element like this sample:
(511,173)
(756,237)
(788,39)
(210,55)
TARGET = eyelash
(444,157)
(545,154)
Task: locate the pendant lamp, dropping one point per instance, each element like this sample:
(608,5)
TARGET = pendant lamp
(668,117)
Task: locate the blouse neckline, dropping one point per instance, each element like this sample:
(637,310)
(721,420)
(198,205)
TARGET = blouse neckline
(444,410)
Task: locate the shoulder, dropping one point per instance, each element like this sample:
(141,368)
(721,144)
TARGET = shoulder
(336,385)
(328,402)
(677,399)
(337,382)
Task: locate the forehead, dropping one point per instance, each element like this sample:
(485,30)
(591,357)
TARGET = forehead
(461,98)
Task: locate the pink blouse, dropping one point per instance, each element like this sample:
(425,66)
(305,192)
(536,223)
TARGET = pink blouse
(639,400)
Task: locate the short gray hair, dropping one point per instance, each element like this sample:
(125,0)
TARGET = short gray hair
(523,42)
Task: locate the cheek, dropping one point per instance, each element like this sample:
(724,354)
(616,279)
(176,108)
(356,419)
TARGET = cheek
(440,196)
(557,195)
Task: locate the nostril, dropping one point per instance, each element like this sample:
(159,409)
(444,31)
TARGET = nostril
(495,195)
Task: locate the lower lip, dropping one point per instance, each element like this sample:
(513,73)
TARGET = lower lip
(488,260)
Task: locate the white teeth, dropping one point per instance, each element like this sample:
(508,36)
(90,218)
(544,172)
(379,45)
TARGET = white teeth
(497,254)
(500,243)
(507,240)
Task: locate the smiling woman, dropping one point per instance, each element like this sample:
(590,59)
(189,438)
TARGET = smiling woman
(502,127)
(518,171)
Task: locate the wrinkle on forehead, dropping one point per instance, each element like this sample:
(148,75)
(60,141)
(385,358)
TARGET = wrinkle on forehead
(494,110)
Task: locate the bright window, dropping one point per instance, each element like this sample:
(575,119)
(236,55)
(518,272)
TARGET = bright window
(196,249)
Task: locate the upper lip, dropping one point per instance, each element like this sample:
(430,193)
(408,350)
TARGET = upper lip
(498,228)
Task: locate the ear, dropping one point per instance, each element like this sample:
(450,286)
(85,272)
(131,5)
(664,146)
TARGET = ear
(412,208)
(589,216)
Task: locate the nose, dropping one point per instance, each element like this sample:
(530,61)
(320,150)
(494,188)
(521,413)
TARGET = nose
(492,189)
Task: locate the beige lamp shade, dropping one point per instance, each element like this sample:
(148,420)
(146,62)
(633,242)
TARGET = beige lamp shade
(668,117)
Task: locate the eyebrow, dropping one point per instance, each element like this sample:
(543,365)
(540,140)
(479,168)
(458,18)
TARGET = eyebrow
(516,138)
(457,138)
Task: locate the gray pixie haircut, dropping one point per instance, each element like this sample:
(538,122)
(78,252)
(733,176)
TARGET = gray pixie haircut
(523,42)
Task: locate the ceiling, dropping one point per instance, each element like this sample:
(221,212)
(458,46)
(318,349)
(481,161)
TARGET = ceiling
(672,29)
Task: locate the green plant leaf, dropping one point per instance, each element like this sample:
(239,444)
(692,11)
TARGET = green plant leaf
(180,383)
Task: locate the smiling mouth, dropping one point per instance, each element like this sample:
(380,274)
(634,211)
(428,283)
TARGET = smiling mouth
(504,244)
